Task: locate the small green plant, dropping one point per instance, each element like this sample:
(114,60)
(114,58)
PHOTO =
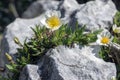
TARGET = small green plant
(2,78)
(117,19)
(106,52)
(116,39)
(106,55)
(43,40)
(54,34)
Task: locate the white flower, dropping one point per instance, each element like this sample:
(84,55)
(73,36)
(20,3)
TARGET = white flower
(116,29)
(104,38)
(113,78)
(52,20)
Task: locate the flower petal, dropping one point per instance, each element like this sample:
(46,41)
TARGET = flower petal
(56,13)
(114,26)
(99,36)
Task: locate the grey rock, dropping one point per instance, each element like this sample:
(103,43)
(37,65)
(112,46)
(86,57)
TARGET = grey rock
(68,7)
(30,72)
(96,14)
(117,3)
(115,52)
(115,46)
(63,63)
(20,28)
(40,7)
(83,1)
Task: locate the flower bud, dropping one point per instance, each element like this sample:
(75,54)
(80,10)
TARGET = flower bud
(8,57)
(16,40)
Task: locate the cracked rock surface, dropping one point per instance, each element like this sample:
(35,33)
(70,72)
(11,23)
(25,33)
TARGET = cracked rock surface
(63,63)
(95,14)
(30,72)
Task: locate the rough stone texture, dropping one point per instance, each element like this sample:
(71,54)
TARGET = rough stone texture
(115,52)
(117,3)
(104,12)
(63,63)
(20,28)
(83,1)
(96,14)
(40,7)
(30,72)
(68,7)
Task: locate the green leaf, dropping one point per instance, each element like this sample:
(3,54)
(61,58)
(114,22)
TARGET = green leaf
(10,67)
(117,19)
(44,39)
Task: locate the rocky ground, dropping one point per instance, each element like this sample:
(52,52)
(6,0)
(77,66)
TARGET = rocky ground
(75,64)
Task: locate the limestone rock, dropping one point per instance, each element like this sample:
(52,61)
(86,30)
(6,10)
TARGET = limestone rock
(20,28)
(117,3)
(40,7)
(68,7)
(115,52)
(63,63)
(30,72)
(96,14)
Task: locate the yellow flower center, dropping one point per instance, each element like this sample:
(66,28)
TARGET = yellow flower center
(53,22)
(105,40)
